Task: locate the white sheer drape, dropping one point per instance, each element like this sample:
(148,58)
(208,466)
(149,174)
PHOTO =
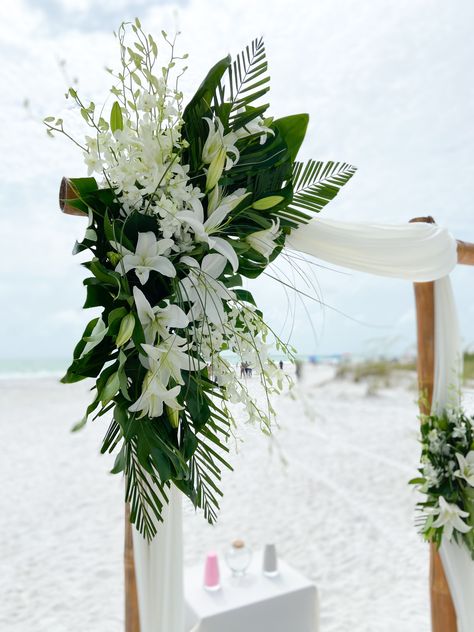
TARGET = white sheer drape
(416,252)
(159,572)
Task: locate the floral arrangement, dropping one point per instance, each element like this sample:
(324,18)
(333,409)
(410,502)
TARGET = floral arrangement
(447,478)
(183,204)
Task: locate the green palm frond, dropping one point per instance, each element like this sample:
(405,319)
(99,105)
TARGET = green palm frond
(316,183)
(205,465)
(145,493)
(248,81)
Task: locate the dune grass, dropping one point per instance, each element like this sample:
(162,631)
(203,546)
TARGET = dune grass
(385,370)
(382,369)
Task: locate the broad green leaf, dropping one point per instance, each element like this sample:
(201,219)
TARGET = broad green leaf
(293,129)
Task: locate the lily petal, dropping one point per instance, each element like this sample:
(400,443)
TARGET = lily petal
(224,248)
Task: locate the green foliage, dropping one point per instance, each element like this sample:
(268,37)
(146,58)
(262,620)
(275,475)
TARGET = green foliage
(317,183)
(184,444)
(444,438)
(293,130)
(248,81)
(195,129)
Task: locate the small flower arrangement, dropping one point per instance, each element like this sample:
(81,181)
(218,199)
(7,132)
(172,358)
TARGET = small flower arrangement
(447,478)
(183,204)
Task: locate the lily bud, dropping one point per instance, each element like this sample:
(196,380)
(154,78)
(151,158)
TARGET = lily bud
(110,389)
(213,197)
(114,257)
(267,202)
(126,329)
(215,169)
(173,416)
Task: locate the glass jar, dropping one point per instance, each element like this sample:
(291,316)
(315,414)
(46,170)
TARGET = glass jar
(238,558)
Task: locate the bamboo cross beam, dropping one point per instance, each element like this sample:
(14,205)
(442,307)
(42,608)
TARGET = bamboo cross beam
(67,193)
(443,615)
(465,253)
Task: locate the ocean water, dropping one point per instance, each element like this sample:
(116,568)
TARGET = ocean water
(56,367)
(33,367)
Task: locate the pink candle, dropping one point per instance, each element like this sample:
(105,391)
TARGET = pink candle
(211,572)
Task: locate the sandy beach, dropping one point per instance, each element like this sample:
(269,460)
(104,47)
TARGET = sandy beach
(330,489)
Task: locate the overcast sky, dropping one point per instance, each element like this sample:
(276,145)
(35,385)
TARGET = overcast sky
(388,86)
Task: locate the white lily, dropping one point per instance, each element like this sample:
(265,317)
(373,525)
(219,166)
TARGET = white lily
(256,126)
(449,517)
(204,230)
(96,336)
(148,256)
(170,357)
(466,467)
(219,151)
(263,241)
(157,321)
(153,397)
(203,290)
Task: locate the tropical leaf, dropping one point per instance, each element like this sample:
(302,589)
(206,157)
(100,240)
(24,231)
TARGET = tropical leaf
(145,493)
(316,183)
(248,81)
(293,130)
(195,129)
(206,456)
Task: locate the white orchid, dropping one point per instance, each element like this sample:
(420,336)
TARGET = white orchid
(148,256)
(263,241)
(96,336)
(432,475)
(204,229)
(170,357)
(203,289)
(466,467)
(157,321)
(154,396)
(449,517)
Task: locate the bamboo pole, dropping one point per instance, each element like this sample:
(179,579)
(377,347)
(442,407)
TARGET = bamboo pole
(132,619)
(443,615)
(66,193)
(465,253)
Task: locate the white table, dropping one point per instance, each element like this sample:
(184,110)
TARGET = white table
(253,603)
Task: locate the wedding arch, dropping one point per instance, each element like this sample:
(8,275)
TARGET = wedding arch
(189,201)
(420,251)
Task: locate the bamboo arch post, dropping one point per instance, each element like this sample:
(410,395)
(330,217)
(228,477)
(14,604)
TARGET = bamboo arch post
(443,615)
(132,620)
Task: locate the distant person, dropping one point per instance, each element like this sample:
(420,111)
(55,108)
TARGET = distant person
(299,369)
(280,364)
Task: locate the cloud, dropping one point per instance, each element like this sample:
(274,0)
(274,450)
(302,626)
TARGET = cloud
(388,86)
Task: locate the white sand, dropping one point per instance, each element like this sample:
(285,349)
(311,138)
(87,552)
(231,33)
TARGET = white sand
(340,510)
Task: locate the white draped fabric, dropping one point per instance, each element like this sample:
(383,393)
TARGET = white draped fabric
(159,572)
(416,252)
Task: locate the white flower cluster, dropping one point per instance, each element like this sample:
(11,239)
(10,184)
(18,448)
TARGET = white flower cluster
(140,159)
(447,469)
